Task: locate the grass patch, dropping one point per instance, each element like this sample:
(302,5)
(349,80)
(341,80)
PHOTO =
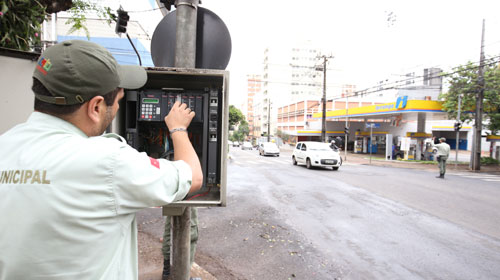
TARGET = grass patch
(489,161)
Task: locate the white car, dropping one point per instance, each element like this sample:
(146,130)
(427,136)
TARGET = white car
(316,154)
(269,149)
(246,146)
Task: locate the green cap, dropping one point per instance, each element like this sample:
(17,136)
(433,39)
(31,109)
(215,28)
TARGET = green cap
(75,71)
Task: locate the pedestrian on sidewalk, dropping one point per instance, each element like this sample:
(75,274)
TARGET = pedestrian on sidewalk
(70,193)
(443,152)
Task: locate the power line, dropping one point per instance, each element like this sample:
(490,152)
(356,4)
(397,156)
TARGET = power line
(397,84)
(144,11)
(390,85)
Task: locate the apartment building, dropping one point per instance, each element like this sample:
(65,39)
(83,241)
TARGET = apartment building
(253,91)
(289,75)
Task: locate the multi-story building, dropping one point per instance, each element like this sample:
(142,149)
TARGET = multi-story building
(289,75)
(253,90)
(296,119)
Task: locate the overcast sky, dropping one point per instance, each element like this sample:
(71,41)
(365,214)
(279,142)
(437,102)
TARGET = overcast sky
(369,44)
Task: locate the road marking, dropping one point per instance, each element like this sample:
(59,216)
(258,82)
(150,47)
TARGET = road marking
(484,177)
(260,161)
(478,176)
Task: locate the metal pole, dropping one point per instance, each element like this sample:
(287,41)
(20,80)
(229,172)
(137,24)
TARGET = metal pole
(269,120)
(185,46)
(371,142)
(181,245)
(476,154)
(458,132)
(346,124)
(323,118)
(185,57)
(54,28)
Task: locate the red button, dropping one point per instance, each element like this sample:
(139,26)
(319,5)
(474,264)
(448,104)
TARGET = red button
(142,116)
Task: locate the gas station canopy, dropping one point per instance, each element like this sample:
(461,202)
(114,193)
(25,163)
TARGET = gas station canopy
(401,106)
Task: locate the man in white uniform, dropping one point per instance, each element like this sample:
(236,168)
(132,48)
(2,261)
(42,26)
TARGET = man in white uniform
(443,152)
(68,194)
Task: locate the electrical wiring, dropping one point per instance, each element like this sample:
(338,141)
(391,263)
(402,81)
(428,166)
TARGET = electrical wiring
(144,11)
(442,75)
(399,83)
(384,86)
(200,194)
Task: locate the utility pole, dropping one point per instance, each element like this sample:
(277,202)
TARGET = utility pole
(478,125)
(371,141)
(323,119)
(346,128)
(458,131)
(185,57)
(268,119)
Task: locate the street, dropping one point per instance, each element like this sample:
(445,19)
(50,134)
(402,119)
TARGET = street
(360,222)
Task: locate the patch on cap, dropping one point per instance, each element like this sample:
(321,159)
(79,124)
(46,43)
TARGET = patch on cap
(44,65)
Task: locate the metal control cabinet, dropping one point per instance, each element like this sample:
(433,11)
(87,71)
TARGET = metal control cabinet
(141,122)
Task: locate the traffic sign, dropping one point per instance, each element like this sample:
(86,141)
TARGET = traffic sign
(213,42)
(372,125)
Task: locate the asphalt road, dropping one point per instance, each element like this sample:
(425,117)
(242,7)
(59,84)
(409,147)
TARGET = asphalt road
(361,222)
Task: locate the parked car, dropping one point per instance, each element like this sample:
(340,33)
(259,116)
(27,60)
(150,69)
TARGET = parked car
(316,154)
(246,146)
(269,149)
(236,144)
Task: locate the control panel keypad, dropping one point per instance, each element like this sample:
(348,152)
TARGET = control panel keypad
(150,111)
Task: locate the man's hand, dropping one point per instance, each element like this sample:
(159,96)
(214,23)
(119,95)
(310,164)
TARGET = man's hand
(179,116)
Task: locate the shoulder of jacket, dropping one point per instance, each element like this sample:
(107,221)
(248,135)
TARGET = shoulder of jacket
(115,136)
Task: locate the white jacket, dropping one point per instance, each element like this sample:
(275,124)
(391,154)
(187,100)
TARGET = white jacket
(68,202)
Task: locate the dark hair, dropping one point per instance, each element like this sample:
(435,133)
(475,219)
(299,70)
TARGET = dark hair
(54,109)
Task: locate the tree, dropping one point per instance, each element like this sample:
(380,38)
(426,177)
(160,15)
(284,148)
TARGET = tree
(235,137)
(283,135)
(20,23)
(243,129)
(21,20)
(464,82)
(78,12)
(235,116)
